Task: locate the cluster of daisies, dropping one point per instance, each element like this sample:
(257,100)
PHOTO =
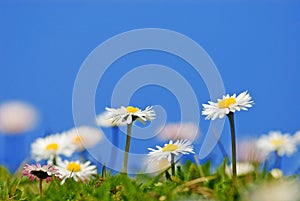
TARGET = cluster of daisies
(57,149)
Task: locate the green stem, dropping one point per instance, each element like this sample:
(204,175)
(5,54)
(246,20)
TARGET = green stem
(129,128)
(41,188)
(173,164)
(233,145)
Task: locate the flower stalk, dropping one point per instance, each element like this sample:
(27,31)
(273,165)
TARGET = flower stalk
(173,164)
(127,146)
(230,116)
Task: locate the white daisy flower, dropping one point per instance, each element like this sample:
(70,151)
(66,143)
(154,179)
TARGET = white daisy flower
(276,141)
(179,147)
(130,114)
(51,147)
(227,104)
(241,169)
(17,117)
(76,170)
(84,137)
(104,120)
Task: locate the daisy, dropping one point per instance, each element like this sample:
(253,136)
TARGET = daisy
(276,173)
(50,147)
(227,104)
(104,120)
(40,172)
(17,117)
(170,150)
(130,114)
(296,137)
(177,131)
(84,137)
(76,170)
(283,144)
(241,169)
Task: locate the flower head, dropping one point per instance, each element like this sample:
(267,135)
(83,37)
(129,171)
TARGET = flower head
(130,114)
(179,147)
(179,131)
(52,146)
(84,137)
(17,117)
(276,141)
(227,104)
(40,172)
(104,120)
(241,169)
(76,170)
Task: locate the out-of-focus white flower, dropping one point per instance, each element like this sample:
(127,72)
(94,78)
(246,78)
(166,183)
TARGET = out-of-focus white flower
(241,169)
(247,152)
(280,190)
(276,141)
(17,117)
(129,114)
(296,137)
(76,170)
(276,173)
(84,137)
(104,120)
(227,104)
(50,147)
(179,147)
(178,131)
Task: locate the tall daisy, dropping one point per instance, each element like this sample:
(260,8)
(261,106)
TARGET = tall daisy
(40,173)
(77,170)
(51,147)
(228,105)
(129,115)
(170,150)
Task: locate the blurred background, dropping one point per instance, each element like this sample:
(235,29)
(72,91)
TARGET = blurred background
(254,44)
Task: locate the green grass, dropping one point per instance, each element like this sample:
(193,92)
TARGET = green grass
(190,183)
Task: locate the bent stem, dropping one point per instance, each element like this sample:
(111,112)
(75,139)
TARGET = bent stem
(129,128)
(41,188)
(173,164)
(233,145)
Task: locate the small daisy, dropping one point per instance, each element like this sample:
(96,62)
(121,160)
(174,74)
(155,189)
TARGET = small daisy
(50,147)
(227,104)
(104,120)
(179,147)
(177,131)
(40,172)
(84,137)
(276,173)
(241,169)
(283,144)
(76,170)
(17,117)
(130,114)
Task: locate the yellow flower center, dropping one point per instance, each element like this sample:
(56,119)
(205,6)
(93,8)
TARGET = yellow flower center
(226,102)
(277,142)
(170,147)
(74,167)
(77,139)
(131,109)
(52,146)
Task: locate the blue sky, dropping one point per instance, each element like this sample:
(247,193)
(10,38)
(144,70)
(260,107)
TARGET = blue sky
(254,44)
